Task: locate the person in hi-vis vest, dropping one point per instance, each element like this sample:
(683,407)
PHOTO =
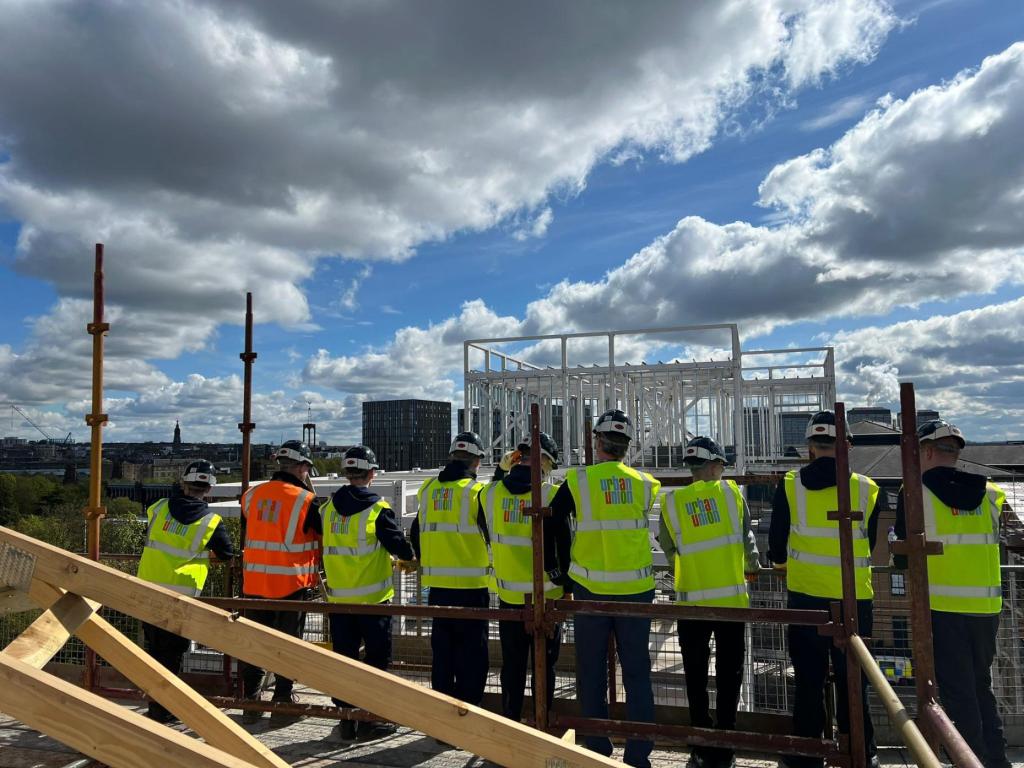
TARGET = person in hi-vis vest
(179,532)
(597,545)
(705,532)
(450,536)
(963,511)
(805,543)
(502,502)
(360,536)
(282,545)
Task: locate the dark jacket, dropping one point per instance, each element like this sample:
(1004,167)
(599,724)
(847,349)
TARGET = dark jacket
(963,490)
(187,510)
(351,500)
(453,470)
(816,476)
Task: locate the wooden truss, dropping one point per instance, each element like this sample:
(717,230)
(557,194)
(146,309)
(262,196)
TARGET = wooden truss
(72,588)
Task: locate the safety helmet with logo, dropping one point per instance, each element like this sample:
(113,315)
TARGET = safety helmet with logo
(937,429)
(823,424)
(702,449)
(294,450)
(469,442)
(359,457)
(200,472)
(548,447)
(615,422)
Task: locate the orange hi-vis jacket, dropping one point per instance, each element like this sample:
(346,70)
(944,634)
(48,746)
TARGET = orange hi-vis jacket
(279,557)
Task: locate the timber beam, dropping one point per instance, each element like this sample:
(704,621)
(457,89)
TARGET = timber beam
(470,727)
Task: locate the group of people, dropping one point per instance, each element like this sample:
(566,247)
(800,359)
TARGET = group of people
(470,539)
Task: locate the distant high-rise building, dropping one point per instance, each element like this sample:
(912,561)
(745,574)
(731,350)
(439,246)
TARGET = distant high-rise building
(871,413)
(923,415)
(792,429)
(408,433)
(177,436)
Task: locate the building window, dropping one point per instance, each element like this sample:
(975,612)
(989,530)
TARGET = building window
(897,584)
(900,634)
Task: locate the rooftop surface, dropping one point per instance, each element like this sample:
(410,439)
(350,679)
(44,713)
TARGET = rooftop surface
(311,743)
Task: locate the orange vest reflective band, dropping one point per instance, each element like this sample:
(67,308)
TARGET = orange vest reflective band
(279,558)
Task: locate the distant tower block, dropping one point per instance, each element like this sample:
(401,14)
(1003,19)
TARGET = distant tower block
(177,436)
(309,428)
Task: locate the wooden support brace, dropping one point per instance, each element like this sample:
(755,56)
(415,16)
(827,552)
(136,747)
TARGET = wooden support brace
(216,728)
(45,636)
(96,727)
(491,736)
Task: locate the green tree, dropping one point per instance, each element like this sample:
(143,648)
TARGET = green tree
(8,502)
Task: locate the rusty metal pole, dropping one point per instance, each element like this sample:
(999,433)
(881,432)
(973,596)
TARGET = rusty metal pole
(845,517)
(537,512)
(245,427)
(917,548)
(95,512)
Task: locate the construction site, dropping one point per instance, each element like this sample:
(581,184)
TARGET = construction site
(74,673)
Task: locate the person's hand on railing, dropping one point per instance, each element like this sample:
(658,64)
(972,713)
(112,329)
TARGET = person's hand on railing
(408,566)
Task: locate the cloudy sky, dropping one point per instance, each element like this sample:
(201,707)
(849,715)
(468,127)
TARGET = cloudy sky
(391,178)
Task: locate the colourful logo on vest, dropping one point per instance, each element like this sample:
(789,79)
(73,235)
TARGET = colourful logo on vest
(513,510)
(703,512)
(340,524)
(617,490)
(268,510)
(175,528)
(442,499)
(965,512)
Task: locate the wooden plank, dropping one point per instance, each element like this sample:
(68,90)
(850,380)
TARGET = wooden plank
(486,734)
(14,601)
(161,684)
(97,727)
(45,636)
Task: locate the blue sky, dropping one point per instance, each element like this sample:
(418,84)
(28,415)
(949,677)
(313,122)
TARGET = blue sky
(383,253)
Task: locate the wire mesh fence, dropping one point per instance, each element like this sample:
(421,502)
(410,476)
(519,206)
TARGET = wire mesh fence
(768,676)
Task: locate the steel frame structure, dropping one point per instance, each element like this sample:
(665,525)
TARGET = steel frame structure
(670,402)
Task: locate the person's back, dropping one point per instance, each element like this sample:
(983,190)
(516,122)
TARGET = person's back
(449,538)
(962,511)
(599,523)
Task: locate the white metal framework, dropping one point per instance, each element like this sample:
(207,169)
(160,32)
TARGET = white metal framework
(668,402)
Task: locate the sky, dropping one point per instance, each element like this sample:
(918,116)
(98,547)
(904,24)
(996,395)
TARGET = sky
(389,179)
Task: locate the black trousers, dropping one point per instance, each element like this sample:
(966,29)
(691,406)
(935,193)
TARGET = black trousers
(459,646)
(810,654)
(168,649)
(516,660)
(291,623)
(964,649)
(350,630)
(730,646)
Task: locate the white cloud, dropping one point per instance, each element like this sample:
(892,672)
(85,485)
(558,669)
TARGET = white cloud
(838,112)
(234,144)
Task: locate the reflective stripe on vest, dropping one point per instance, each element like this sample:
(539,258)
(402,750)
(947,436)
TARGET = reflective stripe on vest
(453,552)
(511,543)
(815,565)
(611,549)
(174,555)
(966,577)
(358,568)
(708,571)
(280,558)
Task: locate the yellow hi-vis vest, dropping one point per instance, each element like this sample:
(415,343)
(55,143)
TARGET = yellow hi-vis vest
(358,568)
(965,577)
(611,546)
(705,519)
(175,554)
(814,564)
(511,542)
(453,553)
